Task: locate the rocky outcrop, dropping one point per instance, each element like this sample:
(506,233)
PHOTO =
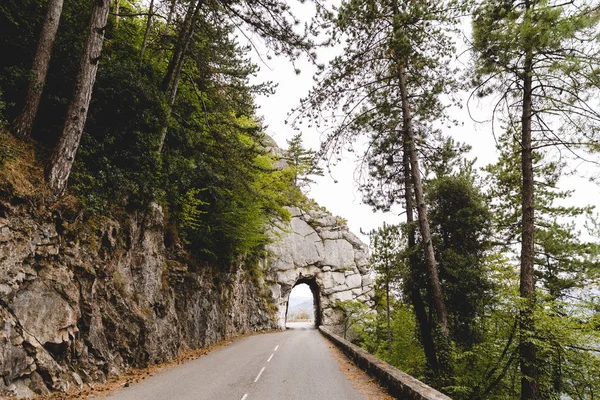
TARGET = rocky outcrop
(82,300)
(318,249)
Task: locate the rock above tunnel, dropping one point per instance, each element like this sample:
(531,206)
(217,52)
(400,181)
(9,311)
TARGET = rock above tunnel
(317,248)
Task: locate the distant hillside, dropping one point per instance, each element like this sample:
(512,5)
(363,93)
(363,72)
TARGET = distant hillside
(297,304)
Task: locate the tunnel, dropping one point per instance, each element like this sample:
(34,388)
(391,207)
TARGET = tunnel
(314,288)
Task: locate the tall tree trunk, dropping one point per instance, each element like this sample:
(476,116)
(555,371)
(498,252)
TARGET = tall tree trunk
(415,292)
(147,33)
(62,159)
(165,32)
(178,49)
(23,124)
(169,17)
(432,270)
(117,11)
(528,361)
(177,72)
(387,307)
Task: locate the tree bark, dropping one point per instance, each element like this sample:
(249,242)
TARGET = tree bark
(117,11)
(387,307)
(176,77)
(415,292)
(528,360)
(147,33)
(178,49)
(63,156)
(23,124)
(432,269)
(165,32)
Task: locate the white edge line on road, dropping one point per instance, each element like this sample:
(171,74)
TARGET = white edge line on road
(276,347)
(259,374)
(244,398)
(270,357)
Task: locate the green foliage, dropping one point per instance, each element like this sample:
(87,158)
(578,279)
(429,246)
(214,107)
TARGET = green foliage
(563,260)
(217,184)
(19,23)
(302,162)
(407,353)
(117,163)
(459,219)
(7,152)
(191,210)
(565,334)
(388,252)
(357,319)
(566,347)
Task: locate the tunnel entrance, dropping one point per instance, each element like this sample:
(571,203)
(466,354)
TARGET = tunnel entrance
(303,303)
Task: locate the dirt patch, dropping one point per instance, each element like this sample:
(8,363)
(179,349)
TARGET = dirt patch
(20,168)
(361,381)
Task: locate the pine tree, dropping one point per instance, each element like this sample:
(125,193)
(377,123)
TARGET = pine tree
(272,20)
(65,151)
(302,162)
(538,57)
(386,262)
(387,87)
(23,124)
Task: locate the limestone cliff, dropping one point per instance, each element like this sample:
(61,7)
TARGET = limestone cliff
(81,300)
(317,248)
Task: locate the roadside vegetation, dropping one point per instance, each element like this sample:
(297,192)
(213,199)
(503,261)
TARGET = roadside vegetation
(487,290)
(125,103)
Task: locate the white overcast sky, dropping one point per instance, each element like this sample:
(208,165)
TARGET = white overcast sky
(338,191)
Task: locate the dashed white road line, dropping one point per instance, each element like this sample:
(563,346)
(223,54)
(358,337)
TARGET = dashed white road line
(244,398)
(270,357)
(276,347)
(259,374)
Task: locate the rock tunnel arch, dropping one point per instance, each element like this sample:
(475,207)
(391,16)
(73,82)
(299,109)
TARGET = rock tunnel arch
(314,288)
(318,249)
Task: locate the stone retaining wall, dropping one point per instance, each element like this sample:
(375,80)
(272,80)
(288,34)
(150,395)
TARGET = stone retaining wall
(398,383)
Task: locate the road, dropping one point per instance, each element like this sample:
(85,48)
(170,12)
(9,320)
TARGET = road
(295,364)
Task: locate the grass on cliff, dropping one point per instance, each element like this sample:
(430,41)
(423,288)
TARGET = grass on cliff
(21,171)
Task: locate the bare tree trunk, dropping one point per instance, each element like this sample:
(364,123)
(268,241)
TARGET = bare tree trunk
(415,293)
(165,31)
(23,124)
(62,159)
(117,11)
(432,270)
(178,50)
(387,307)
(147,33)
(169,17)
(528,364)
(174,85)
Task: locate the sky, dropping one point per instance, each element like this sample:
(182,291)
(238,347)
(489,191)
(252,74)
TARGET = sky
(337,191)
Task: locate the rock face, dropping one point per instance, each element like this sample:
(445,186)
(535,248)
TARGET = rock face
(319,250)
(80,301)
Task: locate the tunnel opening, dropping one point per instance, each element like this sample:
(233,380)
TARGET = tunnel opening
(300,306)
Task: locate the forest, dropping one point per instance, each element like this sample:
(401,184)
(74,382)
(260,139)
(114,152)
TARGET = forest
(487,290)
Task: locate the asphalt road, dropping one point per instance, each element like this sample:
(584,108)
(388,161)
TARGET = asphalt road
(295,364)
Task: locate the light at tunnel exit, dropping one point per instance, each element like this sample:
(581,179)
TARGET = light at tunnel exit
(300,304)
